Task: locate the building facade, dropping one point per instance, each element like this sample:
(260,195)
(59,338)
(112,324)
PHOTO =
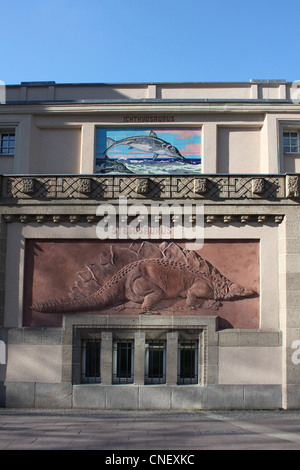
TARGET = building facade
(149,246)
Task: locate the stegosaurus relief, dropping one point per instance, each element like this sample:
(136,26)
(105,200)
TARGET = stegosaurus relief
(146,274)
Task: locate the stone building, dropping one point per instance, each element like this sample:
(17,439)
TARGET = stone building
(150,248)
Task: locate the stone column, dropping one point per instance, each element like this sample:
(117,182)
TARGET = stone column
(106,357)
(289,262)
(139,358)
(2,267)
(172,357)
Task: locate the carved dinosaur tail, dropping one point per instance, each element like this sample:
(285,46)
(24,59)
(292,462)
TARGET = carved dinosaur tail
(111,293)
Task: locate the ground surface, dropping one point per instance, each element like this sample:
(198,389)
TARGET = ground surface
(129,431)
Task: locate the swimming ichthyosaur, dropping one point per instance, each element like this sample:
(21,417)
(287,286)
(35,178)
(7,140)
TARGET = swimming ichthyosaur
(149,144)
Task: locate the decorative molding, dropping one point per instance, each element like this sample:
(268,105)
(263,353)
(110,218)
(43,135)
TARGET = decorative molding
(28,186)
(200,185)
(85,185)
(258,186)
(293,186)
(93,219)
(142,185)
(216,188)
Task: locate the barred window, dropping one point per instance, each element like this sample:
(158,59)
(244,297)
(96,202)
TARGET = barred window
(188,362)
(91,360)
(155,362)
(291,142)
(7,143)
(123,362)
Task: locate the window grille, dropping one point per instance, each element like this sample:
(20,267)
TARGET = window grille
(188,362)
(291,142)
(123,362)
(91,360)
(7,143)
(155,362)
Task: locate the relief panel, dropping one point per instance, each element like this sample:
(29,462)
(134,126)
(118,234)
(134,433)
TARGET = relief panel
(142,278)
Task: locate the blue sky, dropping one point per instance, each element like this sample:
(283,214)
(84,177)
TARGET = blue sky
(105,41)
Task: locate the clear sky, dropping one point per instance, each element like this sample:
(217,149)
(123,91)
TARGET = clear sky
(105,41)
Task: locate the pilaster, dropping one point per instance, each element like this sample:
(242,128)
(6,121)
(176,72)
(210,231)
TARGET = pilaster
(106,357)
(172,357)
(289,291)
(3,233)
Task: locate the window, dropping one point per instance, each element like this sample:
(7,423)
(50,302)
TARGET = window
(188,362)
(7,143)
(155,362)
(91,356)
(123,362)
(291,142)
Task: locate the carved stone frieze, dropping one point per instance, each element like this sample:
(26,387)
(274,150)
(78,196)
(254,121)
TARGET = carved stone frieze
(200,185)
(100,285)
(293,186)
(155,187)
(85,185)
(142,185)
(28,186)
(258,186)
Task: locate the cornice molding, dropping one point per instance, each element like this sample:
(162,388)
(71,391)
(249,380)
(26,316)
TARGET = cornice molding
(152,106)
(79,219)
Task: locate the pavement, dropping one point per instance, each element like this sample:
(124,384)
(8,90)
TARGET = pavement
(134,431)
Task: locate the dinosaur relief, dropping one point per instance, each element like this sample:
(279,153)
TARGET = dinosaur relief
(146,274)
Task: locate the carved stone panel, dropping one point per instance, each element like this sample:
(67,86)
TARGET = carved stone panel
(142,185)
(142,278)
(200,185)
(293,186)
(85,185)
(28,185)
(258,186)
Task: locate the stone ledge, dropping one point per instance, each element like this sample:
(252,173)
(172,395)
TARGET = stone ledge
(99,187)
(130,397)
(80,218)
(33,335)
(249,338)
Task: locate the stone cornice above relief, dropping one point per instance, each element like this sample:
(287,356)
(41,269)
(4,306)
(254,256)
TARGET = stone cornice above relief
(148,189)
(214,219)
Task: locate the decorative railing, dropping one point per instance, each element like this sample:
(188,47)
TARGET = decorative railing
(94,187)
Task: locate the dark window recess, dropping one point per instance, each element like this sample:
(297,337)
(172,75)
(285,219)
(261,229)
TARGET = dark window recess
(188,362)
(155,362)
(91,357)
(123,362)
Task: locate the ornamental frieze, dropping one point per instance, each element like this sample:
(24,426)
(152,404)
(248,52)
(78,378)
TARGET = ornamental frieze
(153,187)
